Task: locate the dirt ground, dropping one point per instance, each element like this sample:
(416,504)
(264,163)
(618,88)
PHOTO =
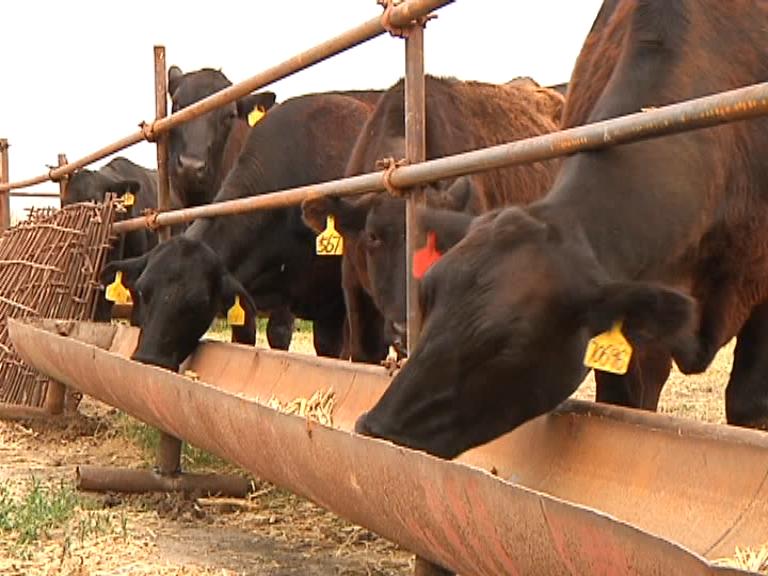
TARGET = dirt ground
(271,533)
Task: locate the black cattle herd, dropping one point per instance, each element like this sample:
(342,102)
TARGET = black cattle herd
(534,272)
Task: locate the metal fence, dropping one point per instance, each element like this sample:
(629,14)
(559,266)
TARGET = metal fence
(407,19)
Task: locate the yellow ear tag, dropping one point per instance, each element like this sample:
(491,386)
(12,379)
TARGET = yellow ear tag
(255,115)
(236,314)
(118,293)
(329,242)
(609,351)
(128,199)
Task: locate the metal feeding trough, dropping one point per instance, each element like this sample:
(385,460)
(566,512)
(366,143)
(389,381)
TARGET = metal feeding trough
(588,489)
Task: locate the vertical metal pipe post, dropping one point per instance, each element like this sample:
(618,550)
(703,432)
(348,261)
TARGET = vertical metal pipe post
(169,450)
(161,111)
(63,181)
(5,197)
(415,151)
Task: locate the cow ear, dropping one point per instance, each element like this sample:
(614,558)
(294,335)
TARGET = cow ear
(349,218)
(174,78)
(449,226)
(235,302)
(456,197)
(251,102)
(647,312)
(121,187)
(131,268)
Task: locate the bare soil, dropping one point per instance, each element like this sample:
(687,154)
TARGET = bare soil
(271,533)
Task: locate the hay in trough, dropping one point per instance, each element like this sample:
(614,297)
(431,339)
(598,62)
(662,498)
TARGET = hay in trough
(319,406)
(753,560)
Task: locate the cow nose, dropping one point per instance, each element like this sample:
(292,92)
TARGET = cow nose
(360,425)
(191,165)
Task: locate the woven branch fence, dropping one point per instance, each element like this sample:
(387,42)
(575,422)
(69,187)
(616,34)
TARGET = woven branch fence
(49,267)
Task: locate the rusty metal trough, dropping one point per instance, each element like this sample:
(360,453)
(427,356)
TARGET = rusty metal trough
(588,489)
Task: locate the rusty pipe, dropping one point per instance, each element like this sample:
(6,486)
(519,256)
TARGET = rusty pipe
(161,111)
(100,479)
(5,200)
(35,194)
(400,15)
(415,151)
(705,112)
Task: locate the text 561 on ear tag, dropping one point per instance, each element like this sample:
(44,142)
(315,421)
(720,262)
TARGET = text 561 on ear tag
(236,313)
(329,242)
(118,293)
(609,351)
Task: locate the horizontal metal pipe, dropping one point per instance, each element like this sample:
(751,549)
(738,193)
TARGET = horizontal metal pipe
(34,194)
(127,480)
(739,104)
(401,15)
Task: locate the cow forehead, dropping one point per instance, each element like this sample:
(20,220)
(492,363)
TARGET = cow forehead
(198,85)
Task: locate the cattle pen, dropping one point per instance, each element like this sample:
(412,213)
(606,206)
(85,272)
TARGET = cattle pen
(472,529)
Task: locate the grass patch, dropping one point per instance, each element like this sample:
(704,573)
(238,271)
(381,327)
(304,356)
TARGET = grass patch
(41,510)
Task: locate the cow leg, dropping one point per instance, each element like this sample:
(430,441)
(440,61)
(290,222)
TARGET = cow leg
(366,327)
(280,325)
(746,397)
(641,386)
(328,334)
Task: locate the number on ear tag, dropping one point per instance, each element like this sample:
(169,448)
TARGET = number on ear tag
(236,314)
(118,293)
(609,351)
(128,199)
(329,242)
(255,115)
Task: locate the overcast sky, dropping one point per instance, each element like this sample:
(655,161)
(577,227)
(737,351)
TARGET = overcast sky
(78,75)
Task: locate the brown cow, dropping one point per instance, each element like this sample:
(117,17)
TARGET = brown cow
(461,116)
(663,240)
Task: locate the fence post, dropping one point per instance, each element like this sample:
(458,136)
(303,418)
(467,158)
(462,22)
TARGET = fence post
(169,450)
(5,197)
(63,181)
(415,151)
(161,111)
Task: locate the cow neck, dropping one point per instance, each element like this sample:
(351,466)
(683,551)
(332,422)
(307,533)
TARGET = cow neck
(231,237)
(634,228)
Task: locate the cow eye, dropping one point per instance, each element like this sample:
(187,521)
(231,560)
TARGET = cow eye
(372,241)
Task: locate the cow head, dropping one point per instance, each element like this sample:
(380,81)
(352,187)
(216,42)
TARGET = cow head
(92,186)
(196,148)
(179,287)
(373,227)
(507,314)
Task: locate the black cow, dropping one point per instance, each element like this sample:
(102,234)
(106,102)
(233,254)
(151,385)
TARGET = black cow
(267,258)
(664,239)
(461,116)
(119,176)
(203,151)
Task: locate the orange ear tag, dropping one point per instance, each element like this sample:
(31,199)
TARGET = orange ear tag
(255,115)
(118,293)
(609,351)
(424,258)
(236,314)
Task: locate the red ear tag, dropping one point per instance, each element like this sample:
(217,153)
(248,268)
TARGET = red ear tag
(423,258)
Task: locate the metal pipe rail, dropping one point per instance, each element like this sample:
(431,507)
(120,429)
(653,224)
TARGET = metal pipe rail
(705,112)
(400,16)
